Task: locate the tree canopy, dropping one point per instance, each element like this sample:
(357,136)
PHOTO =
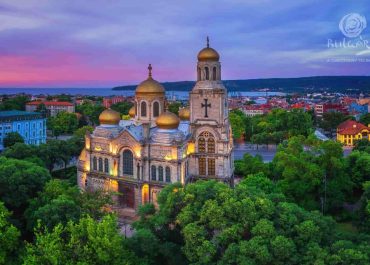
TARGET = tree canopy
(12,138)
(250,224)
(86,241)
(63,122)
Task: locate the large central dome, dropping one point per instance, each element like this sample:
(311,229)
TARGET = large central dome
(150,86)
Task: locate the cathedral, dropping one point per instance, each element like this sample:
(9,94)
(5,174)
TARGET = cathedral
(136,158)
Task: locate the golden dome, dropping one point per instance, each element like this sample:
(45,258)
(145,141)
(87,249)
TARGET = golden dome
(150,86)
(132,112)
(109,117)
(167,120)
(184,114)
(208,54)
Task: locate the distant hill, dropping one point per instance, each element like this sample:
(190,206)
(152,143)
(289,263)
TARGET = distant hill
(339,84)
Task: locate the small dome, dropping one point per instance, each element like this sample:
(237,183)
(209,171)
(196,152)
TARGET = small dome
(109,117)
(150,86)
(132,112)
(184,114)
(208,54)
(167,120)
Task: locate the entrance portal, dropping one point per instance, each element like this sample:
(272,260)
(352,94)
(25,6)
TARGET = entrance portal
(126,197)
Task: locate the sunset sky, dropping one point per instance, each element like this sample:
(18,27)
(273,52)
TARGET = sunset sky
(105,43)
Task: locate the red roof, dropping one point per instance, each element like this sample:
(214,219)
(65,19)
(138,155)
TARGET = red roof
(351,127)
(51,103)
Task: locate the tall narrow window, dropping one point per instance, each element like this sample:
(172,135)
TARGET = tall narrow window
(154,173)
(155,109)
(106,165)
(143,109)
(214,73)
(207,72)
(160,173)
(101,164)
(201,145)
(211,167)
(128,162)
(168,174)
(138,171)
(202,166)
(211,145)
(95,164)
(206,137)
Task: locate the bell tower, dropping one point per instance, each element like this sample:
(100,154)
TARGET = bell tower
(209,121)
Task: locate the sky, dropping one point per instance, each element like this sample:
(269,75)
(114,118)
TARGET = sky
(106,43)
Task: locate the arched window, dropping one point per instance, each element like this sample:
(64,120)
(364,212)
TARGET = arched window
(202,166)
(155,109)
(201,145)
(199,74)
(207,72)
(160,173)
(206,137)
(211,167)
(128,162)
(154,173)
(95,164)
(168,174)
(214,73)
(211,145)
(143,109)
(101,164)
(106,165)
(138,171)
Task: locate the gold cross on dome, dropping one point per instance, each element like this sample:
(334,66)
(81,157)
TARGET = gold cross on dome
(150,70)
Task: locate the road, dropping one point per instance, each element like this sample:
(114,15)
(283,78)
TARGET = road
(267,153)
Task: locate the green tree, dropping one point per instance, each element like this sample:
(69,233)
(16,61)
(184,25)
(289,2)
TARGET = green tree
(19,182)
(63,122)
(251,165)
(174,107)
(331,120)
(238,123)
(358,168)
(61,202)
(84,242)
(362,145)
(12,138)
(297,173)
(9,237)
(314,176)
(14,103)
(364,211)
(279,125)
(122,107)
(80,132)
(249,224)
(365,119)
(90,112)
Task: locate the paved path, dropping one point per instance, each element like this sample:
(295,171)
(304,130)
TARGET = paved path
(242,148)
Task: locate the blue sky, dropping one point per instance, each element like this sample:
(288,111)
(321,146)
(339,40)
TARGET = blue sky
(103,43)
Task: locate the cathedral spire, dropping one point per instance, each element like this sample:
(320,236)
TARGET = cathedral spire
(207,42)
(150,70)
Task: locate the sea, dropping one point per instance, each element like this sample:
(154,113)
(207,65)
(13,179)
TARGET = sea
(173,95)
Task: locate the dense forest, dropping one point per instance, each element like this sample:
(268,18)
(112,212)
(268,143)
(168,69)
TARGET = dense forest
(334,84)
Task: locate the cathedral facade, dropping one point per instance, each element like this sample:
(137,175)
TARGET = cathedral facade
(136,158)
